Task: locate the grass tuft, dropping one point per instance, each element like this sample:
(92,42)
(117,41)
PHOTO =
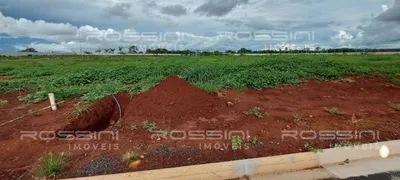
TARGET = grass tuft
(236,143)
(333,110)
(254,141)
(133,127)
(345,144)
(3,102)
(347,80)
(129,156)
(50,164)
(297,117)
(255,111)
(312,149)
(79,111)
(150,127)
(395,106)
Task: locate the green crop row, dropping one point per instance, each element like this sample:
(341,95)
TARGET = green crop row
(93,77)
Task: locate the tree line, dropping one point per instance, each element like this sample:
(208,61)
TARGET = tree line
(134,50)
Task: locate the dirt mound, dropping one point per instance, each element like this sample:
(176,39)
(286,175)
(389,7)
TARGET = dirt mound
(174,98)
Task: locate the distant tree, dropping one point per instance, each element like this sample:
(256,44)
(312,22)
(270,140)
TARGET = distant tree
(120,49)
(230,52)
(158,51)
(317,49)
(133,49)
(112,50)
(106,50)
(29,50)
(244,51)
(98,51)
(185,52)
(205,53)
(217,53)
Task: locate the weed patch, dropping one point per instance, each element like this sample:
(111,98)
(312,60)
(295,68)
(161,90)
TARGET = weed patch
(395,106)
(129,156)
(254,141)
(150,127)
(236,143)
(255,111)
(133,127)
(345,144)
(297,117)
(312,149)
(333,110)
(50,164)
(347,80)
(79,111)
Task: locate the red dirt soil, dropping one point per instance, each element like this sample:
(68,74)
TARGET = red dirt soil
(176,105)
(174,102)
(5,78)
(96,118)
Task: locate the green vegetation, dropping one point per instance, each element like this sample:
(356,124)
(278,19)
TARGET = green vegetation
(50,164)
(297,117)
(254,141)
(129,156)
(133,127)
(333,110)
(347,80)
(345,144)
(80,110)
(117,124)
(395,106)
(236,142)
(255,111)
(93,77)
(3,102)
(150,127)
(312,149)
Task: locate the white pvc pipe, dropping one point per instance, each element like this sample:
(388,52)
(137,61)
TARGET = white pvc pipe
(52,101)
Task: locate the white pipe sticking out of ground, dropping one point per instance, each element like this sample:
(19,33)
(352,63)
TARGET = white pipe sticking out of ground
(52,101)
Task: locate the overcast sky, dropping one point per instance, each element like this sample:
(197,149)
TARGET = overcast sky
(68,25)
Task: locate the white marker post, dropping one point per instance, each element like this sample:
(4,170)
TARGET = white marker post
(52,101)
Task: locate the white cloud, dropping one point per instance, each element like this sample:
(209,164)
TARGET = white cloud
(37,29)
(342,37)
(65,37)
(19,47)
(384,7)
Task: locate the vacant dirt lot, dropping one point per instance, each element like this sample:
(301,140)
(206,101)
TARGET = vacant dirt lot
(198,125)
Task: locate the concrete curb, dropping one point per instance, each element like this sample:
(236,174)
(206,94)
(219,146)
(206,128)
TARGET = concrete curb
(326,164)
